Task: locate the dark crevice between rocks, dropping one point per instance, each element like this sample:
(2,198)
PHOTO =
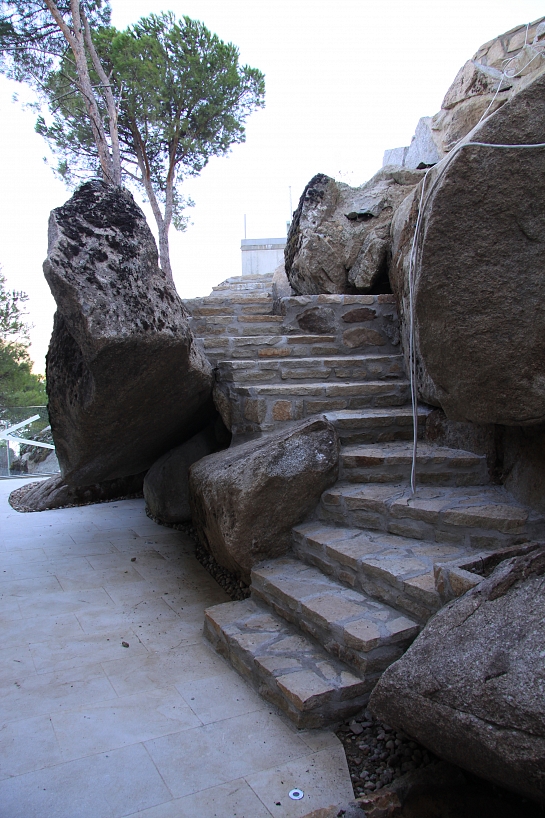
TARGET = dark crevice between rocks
(234,587)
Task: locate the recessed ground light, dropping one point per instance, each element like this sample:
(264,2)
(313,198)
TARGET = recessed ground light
(296,794)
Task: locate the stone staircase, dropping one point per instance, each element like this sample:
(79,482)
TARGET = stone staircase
(375,562)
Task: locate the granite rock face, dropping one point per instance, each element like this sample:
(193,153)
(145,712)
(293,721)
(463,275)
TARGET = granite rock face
(56,493)
(125,380)
(470,688)
(246,499)
(479,288)
(166,485)
(499,70)
(339,239)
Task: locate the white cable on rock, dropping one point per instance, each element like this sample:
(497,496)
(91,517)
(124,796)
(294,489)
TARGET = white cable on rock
(414,252)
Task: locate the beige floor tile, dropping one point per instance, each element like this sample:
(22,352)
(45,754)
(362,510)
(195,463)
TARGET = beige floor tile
(88,649)
(26,745)
(47,567)
(323,777)
(10,558)
(59,603)
(110,785)
(15,663)
(151,670)
(20,587)
(319,739)
(39,629)
(233,800)
(44,693)
(95,728)
(220,697)
(222,751)
(81,579)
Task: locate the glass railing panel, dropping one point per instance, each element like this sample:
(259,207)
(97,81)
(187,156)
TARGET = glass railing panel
(19,458)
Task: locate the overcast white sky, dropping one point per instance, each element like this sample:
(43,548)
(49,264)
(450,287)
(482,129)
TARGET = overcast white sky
(345,79)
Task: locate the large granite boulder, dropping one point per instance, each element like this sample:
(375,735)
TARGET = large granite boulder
(56,493)
(471,687)
(499,69)
(339,238)
(125,380)
(479,287)
(246,499)
(166,485)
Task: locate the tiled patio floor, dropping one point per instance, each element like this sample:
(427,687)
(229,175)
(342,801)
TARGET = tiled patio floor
(163,728)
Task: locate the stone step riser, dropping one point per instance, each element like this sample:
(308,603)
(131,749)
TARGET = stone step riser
(250,348)
(378,517)
(369,368)
(208,312)
(427,473)
(301,680)
(372,428)
(241,326)
(418,600)
(257,413)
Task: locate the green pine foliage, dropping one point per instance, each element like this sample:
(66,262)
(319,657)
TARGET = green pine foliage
(18,385)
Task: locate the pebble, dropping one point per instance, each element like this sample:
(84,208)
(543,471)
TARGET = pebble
(377,754)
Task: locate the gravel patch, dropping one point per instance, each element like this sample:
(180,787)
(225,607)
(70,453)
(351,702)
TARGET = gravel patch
(377,754)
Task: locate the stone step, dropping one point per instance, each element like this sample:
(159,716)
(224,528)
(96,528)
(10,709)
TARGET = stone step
(243,286)
(377,425)
(484,517)
(286,667)
(220,348)
(232,325)
(367,393)
(262,407)
(363,632)
(397,570)
(392,462)
(337,368)
(244,305)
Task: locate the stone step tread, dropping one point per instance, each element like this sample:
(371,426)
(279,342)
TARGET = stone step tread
(295,363)
(345,300)
(355,619)
(339,368)
(274,340)
(220,301)
(360,558)
(245,318)
(285,666)
(475,506)
(401,452)
(325,388)
(355,418)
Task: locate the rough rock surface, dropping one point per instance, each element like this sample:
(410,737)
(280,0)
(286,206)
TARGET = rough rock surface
(56,493)
(479,290)
(339,239)
(166,486)
(281,288)
(500,69)
(125,380)
(471,687)
(246,499)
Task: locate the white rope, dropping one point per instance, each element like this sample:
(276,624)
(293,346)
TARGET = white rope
(414,248)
